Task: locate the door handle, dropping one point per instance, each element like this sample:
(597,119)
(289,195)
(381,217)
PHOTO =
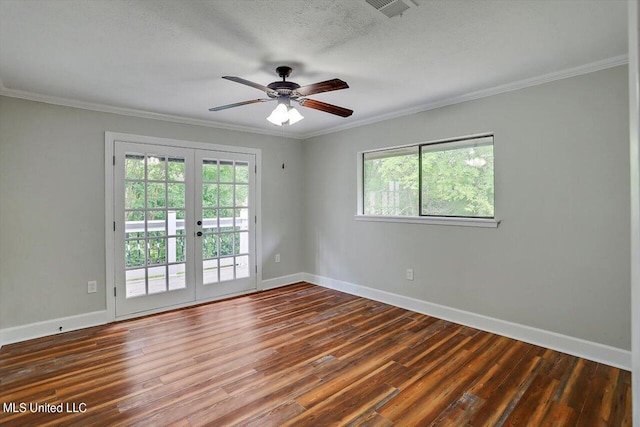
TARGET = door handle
(199,233)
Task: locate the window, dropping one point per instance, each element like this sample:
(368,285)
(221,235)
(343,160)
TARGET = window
(391,182)
(443,179)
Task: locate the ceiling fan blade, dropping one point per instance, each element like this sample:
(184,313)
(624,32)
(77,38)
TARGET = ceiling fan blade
(329,85)
(237,104)
(252,84)
(327,108)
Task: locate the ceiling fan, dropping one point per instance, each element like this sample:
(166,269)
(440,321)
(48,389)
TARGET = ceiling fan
(284,92)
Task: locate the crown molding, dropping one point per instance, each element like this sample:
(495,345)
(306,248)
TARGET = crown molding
(104,108)
(483,93)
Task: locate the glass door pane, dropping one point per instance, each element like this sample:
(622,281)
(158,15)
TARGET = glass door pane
(224,205)
(151,194)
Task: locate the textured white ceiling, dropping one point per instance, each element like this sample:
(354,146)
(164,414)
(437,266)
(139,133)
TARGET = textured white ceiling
(167,57)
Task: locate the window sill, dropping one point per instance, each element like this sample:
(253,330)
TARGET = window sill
(433,220)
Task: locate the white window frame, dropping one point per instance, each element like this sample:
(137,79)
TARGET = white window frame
(427,220)
(109,149)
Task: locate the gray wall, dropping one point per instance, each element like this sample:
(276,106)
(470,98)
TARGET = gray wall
(52,204)
(560,259)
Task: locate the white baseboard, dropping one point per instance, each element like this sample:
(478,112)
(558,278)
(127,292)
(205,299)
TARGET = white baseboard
(575,346)
(281,281)
(72,323)
(52,327)
(596,352)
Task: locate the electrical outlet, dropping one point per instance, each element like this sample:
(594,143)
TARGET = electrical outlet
(409,273)
(92,287)
(277,257)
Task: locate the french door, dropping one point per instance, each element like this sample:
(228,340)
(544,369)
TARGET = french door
(224,187)
(184,224)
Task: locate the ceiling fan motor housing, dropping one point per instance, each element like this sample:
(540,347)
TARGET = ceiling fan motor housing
(283,88)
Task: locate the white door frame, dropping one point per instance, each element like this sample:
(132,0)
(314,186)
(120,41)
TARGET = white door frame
(634,145)
(109,148)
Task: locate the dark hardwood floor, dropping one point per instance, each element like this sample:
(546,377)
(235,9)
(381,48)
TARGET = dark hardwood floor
(304,356)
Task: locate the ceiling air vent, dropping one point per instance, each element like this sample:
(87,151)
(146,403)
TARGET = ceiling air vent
(392,8)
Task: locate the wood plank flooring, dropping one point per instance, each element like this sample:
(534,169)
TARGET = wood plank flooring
(303,355)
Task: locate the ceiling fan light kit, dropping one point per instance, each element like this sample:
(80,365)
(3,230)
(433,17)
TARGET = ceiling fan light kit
(284,91)
(284,114)
(294,116)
